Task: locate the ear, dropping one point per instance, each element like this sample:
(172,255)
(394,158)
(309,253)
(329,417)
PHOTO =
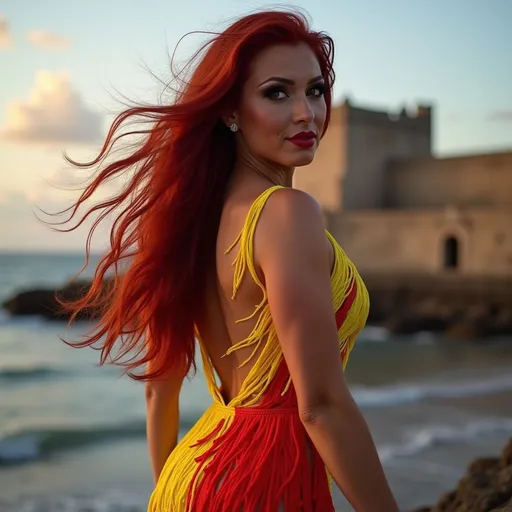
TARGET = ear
(229,119)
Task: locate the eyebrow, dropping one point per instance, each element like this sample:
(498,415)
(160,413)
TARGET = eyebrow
(287,81)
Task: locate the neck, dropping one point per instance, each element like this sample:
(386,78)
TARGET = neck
(249,167)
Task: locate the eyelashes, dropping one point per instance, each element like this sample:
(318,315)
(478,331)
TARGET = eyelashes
(320,87)
(275,92)
(279,92)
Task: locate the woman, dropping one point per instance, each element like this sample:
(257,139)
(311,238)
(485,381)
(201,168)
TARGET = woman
(223,249)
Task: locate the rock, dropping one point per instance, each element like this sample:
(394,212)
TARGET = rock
(446,502)
(486,487)
(34,302)
(405,324)
(503,481)
(506,507)
(464,330)
(460,306)
(43,302)
(506,455)
(483,465)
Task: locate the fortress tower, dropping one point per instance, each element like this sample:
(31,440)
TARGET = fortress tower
(349,168)
(396,208)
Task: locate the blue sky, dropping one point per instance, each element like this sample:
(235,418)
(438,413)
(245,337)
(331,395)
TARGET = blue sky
(65,59)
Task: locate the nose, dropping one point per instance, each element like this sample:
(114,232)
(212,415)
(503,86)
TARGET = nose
(303,112)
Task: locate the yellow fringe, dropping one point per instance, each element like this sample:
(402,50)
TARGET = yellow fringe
(343,275)
(172,487)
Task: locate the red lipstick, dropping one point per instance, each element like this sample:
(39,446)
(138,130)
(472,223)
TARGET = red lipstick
(304,140)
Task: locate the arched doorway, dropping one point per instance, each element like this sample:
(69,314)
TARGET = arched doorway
(451,253)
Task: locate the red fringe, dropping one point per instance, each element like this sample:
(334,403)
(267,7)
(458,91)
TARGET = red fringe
(342,312)
(262,461)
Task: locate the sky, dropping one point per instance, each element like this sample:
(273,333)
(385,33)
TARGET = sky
(65,65)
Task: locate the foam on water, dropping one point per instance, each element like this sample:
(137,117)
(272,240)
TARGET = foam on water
(405,392)
(419,440)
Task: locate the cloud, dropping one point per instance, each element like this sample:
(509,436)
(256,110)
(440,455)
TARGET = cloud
(54,113)
(48,40)
(503,116)
(5,34)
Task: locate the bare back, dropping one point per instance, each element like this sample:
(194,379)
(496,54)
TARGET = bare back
(221,328)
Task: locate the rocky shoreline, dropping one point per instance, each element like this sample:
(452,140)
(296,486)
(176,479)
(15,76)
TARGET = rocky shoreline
(486,487)
(457,307)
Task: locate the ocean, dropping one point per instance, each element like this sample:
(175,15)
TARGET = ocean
(72,435)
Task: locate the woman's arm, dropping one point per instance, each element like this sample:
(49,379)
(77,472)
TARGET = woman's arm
(293,254)
(162,423)
(162,417)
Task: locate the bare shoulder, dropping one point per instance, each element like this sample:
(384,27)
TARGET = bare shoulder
(291,222)
(293,206)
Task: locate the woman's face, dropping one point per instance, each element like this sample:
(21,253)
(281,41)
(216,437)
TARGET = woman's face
(282,109)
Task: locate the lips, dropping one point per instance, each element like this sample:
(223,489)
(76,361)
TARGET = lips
(304,139)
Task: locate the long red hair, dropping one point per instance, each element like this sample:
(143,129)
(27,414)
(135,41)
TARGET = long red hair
(167,215)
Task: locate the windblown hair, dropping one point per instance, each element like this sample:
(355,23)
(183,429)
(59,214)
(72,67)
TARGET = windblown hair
(167,215)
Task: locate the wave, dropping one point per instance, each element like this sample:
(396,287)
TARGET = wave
(30,373)
(435,435)
(405,393)
(34,444)
(26,320)
(37,444)
(374,334)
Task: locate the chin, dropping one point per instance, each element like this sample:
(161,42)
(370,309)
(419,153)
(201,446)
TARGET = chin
(296,159)
(305,158)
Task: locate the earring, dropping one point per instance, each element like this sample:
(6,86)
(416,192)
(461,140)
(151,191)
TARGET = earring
(234,127)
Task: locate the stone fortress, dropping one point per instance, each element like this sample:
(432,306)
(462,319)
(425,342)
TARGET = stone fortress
(395,208)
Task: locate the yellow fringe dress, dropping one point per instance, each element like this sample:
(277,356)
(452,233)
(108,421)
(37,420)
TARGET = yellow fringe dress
(253,453)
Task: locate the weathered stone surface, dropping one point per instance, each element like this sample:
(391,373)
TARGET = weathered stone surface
(506,456)
(486,487)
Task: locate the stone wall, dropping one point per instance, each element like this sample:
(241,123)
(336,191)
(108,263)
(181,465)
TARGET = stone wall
(373,139)
(471,181)
(466,242)
(348,172)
